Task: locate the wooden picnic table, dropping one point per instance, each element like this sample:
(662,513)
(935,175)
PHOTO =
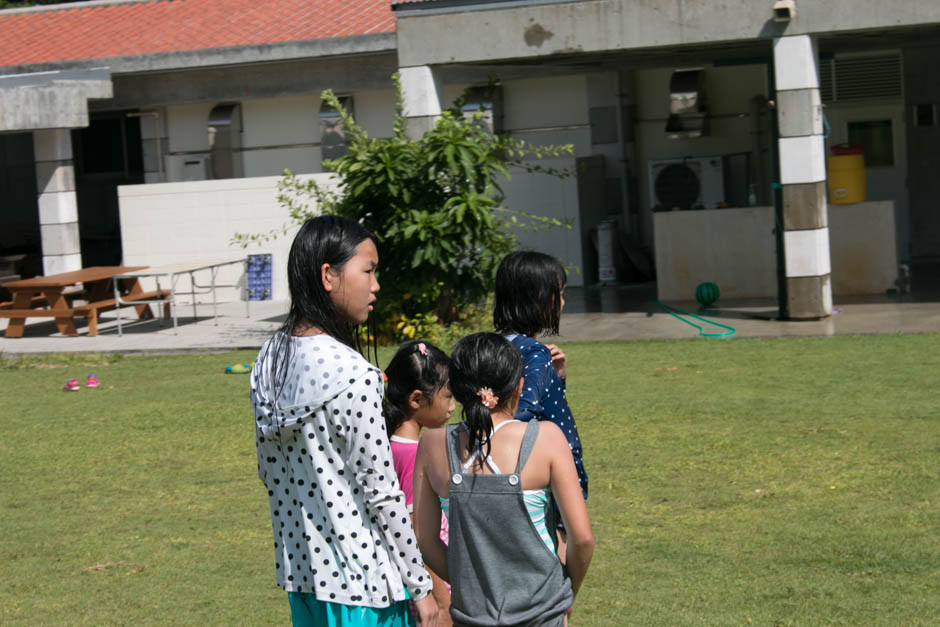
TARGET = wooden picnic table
(46,297)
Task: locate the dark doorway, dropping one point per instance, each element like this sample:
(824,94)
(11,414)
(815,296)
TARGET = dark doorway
(107,153)
(19,210)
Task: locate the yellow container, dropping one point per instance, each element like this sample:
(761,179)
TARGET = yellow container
(846,179)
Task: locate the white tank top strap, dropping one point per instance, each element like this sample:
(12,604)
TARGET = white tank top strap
(479,450)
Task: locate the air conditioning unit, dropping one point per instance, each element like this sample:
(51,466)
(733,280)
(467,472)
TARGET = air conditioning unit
(688,183)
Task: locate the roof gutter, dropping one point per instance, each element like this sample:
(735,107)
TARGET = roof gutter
(436,7)
(220,57)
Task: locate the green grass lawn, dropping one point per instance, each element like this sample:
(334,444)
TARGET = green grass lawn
(767,482)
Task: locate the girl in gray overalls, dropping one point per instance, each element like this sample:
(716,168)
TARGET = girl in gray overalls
(501,560)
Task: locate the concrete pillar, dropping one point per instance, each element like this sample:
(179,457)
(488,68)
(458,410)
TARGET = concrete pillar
(803,178)
(422,93)
(58,204)
(154,143)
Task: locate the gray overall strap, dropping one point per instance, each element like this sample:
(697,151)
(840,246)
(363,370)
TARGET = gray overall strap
(453,448)
(528,442)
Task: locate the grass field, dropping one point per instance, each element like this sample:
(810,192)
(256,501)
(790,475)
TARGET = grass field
(767,482)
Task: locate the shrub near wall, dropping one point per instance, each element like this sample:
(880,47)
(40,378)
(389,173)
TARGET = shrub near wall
(435,205)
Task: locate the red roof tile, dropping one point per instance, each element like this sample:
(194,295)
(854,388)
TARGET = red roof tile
(95,30)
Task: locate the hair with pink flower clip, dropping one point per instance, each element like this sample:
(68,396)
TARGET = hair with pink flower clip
(487,398)
(416,365)
(485,370)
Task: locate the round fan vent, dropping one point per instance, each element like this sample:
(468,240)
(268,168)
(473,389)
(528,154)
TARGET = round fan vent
(677,185)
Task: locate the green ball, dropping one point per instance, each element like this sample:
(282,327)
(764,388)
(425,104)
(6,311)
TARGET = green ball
(706,293)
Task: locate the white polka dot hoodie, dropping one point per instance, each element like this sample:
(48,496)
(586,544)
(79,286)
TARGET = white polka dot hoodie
(341,526)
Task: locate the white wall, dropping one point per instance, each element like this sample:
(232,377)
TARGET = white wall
(277,123)
(277,133)
(862,247)
(551,197)
(196,220)
(375,111)
(732,248)
(550,110)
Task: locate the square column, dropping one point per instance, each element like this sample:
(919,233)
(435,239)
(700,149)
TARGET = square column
(422,93)
(58,203)
(803,178)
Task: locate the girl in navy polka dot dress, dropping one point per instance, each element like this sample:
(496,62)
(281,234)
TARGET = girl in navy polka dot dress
(344,547)
(529,299)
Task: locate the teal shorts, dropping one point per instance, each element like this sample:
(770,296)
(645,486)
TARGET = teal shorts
(308,611)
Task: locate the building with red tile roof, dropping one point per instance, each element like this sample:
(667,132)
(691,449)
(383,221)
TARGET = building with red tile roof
(109,29)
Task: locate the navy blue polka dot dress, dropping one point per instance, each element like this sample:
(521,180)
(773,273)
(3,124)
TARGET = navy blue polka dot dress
(543,397)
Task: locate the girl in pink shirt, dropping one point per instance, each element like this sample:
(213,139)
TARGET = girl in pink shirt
(418,396)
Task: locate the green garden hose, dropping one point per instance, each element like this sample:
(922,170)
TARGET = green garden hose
(672,311)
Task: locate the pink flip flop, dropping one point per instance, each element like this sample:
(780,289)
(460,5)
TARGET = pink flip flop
(92,381)
(71,386)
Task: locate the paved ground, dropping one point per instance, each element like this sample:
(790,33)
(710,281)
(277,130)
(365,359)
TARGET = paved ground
(612,313)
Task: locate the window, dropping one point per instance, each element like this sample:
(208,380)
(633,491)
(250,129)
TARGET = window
(483,101)
(878,140)
(333,142)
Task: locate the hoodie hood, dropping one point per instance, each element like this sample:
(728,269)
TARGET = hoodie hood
(321,368)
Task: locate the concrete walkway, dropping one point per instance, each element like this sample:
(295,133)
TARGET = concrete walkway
(613,314)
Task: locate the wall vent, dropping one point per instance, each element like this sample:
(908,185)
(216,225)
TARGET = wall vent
(856,78)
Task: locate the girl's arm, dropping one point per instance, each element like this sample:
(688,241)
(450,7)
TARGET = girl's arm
(567,492)
(537,367)
(427,507)
(358,419)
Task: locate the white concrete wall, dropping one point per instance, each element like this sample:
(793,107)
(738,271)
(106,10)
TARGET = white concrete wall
(270,129)
(550,110)
(375,111)
(540,29)
(732,248)
(551,197)
(735,249)
(196,220)
(862,246)
(280,122)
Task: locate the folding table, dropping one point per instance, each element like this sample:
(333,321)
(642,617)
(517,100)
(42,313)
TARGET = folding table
(172,272)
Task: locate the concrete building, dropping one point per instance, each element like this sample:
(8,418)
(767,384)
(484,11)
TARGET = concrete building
(728,107)
(191,105)
(698,103)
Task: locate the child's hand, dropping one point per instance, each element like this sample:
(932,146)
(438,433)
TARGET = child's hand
(559,361)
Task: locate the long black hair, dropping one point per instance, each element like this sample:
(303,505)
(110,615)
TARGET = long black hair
(483,360)
(324,239)
(528,293)
(417,365)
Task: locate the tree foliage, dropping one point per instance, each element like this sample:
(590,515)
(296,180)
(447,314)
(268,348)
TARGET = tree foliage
(434,203)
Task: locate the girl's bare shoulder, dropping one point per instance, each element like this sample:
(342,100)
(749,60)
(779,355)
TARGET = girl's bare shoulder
(432,439)
(551,434)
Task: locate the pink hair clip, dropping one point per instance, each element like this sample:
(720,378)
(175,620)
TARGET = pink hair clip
(422,349)
(487,398)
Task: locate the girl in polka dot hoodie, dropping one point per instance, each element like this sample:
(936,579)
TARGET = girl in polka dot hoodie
(344,548)
(529,299)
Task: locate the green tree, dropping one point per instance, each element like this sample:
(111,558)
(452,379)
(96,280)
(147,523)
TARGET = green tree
(434,203)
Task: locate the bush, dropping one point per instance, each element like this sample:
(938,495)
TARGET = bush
(435,205)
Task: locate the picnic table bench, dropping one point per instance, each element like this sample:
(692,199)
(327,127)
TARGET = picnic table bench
(50,297)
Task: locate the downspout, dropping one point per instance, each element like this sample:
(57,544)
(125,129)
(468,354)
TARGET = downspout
(774,152)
